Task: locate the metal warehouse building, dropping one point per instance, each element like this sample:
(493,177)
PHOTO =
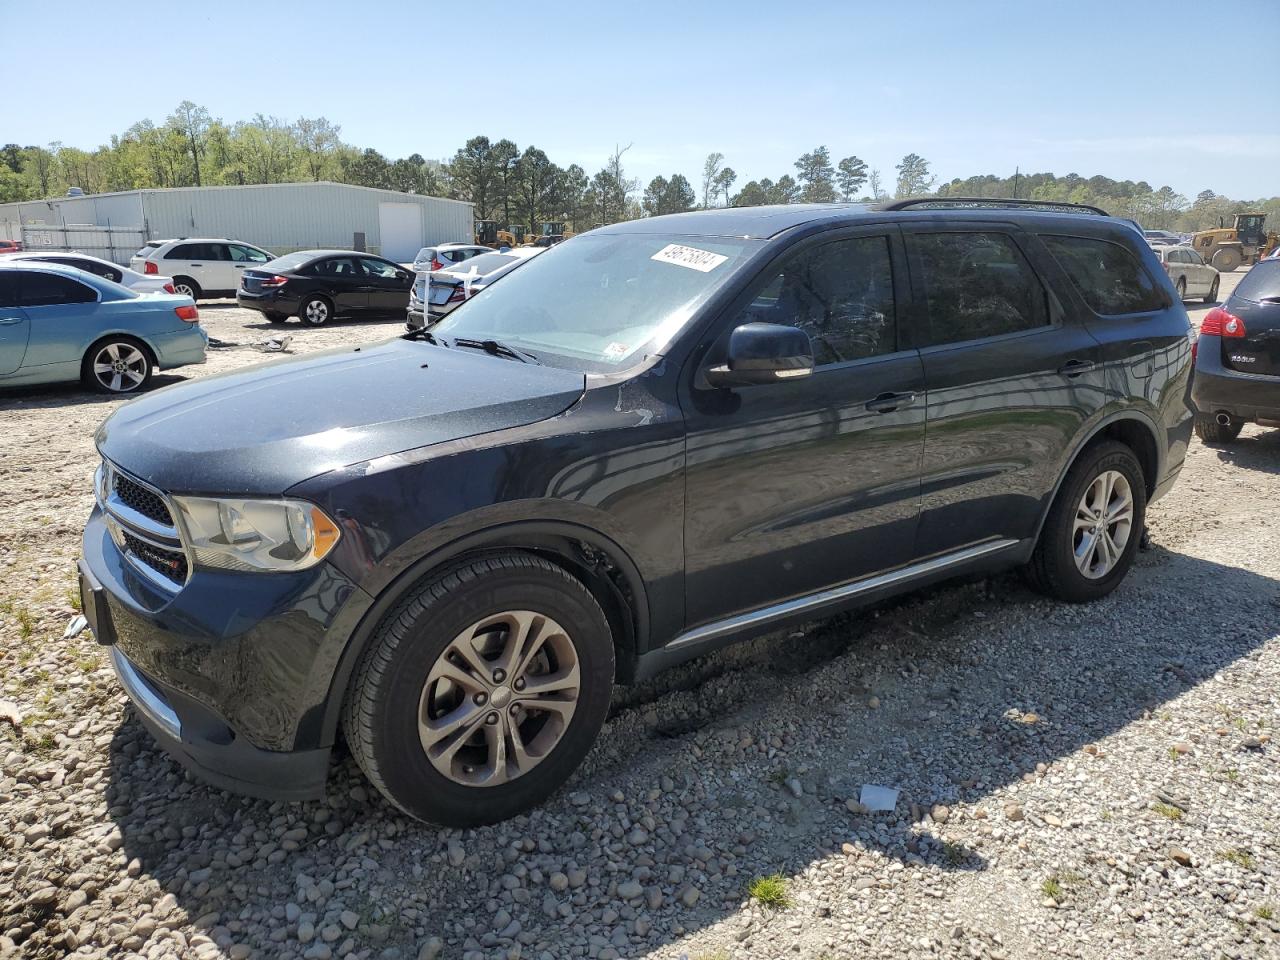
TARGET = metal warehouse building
(278,216)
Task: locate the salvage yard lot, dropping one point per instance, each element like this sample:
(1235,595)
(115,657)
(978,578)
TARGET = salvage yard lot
(1095,781)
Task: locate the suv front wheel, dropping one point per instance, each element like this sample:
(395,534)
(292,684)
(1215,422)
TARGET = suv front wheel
(1093,528)
(481,693)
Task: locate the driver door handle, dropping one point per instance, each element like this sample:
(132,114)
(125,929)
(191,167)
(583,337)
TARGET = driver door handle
(1073,368)
(888,402)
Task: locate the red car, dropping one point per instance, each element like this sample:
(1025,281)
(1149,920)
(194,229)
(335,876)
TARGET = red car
(10,246)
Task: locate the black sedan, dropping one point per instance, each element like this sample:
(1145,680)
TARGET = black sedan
(317,285)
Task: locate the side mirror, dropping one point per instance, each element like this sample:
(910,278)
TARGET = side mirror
(401,275)
(763,353)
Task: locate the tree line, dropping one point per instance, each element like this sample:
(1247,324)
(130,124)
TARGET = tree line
(525,186)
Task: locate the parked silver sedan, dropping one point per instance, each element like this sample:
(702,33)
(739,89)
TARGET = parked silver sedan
(1191,276)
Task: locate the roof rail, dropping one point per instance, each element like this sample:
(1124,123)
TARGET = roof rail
(996,203)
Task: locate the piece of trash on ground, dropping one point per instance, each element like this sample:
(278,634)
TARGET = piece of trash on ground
(876,798)
(74,628)
(274,344)
(9,711)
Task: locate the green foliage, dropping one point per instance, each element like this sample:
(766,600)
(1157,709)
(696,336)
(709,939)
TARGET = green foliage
(1167,810)
(851,174)
(816,176)
(770,891)
(914,178)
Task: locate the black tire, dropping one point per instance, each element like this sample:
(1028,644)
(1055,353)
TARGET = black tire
(1212,295)
(380,713)
(1181,288)
(1052,569)
(1210,430)
(275,316)
(188,287)
(1227,259)
(315,311)
(132,362)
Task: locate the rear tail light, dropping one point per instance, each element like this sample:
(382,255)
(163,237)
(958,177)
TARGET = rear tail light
(1221,323)
(273,280)
(187,313)
(459,294)
(149,267)
(436,265)
(168,288)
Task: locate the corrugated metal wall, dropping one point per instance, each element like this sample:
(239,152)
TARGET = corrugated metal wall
(280,216)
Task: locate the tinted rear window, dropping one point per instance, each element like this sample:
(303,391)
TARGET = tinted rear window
(1262,282)
(290,261)
(147,250)
(1110,279)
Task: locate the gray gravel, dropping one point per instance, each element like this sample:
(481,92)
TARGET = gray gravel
(1093,781)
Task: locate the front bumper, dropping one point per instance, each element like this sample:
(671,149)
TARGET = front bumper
(232,674)
(1215,388)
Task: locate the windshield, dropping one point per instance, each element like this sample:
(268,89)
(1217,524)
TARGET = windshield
(599,303)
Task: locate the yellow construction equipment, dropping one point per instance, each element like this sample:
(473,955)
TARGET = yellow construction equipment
(1245,241)
(488,234)
(549,234)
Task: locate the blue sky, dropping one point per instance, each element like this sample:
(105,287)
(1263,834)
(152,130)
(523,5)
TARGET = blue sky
(1113,88)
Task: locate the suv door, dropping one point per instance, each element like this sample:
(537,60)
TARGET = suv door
(388,285)
(1011,375)
(802,484)
(343,280)
(241,258)
(200,262)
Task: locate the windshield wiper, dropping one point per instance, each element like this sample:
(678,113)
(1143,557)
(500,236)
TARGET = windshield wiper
(496,348)
(422,333)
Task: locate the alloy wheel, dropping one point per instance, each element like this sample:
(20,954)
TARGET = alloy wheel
(1103,524)
(120,367)
(185,290)
(317,311)
(499,698)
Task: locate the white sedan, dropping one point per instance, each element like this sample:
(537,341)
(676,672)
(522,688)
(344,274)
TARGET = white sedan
(131,279)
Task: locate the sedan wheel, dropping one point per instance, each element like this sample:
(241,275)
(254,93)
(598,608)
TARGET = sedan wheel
(1104,520)
(499,698)
(118,366)
(315,311)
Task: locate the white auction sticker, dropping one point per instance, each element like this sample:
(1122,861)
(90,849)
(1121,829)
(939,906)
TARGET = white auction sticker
(703,261)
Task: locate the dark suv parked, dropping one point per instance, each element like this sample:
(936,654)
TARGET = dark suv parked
(1237,365)
(659,437)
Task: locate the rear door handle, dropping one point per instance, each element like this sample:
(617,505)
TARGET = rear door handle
(1073,368)
(197,264)
(888,402)
(9,321)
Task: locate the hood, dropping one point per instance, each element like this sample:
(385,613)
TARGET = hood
(266,428)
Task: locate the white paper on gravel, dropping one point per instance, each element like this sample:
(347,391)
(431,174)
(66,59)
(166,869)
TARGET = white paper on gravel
(878,798)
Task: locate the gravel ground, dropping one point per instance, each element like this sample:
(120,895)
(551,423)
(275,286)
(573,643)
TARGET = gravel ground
(1093,781)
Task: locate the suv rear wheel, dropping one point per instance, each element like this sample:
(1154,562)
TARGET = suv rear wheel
(482,692)
(187,287)
(1093,528)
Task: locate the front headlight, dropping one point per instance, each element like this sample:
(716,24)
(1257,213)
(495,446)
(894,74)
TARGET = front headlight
(256,534)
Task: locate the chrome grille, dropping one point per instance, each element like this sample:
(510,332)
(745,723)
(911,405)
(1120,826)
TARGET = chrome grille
(141,522)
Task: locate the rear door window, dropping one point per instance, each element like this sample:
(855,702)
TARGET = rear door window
(1110,279)
(8,288)
(343,267)
(978,285)
(48,289)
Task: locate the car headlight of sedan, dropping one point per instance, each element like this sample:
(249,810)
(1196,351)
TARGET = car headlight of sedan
(271,535)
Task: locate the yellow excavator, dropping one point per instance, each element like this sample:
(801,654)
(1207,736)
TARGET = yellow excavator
(487,234)
(1245,241)
(549,234)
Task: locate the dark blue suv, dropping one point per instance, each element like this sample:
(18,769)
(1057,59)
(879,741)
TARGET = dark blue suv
(657,438)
